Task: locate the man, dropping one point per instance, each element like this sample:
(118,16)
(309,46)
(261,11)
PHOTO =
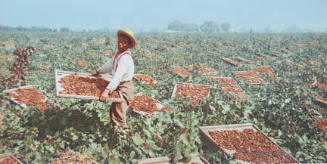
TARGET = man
(122,69)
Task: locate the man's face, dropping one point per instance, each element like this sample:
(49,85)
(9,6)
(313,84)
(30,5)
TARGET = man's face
(123,42)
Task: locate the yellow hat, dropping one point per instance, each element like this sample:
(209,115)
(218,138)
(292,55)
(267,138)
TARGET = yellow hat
(129,34)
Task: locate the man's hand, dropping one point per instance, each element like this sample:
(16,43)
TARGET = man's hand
(95,73)
(104,95)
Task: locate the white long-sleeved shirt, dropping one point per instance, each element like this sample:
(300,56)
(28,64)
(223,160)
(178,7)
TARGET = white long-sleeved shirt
(124,71)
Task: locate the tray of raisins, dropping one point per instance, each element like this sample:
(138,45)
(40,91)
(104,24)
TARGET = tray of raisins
(9,159)
(27,96)
(246,143)
(83,86)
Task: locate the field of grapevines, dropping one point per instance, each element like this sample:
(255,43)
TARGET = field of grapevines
(277,82)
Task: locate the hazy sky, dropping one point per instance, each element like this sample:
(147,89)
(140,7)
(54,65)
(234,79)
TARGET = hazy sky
(95,14)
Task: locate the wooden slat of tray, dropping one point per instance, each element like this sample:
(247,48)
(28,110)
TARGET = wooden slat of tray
(145,113)
(203,68)
(277,53)
(246,60)
(230,78)
(23,87)
(4,156)
(183,76)
(14,89)
(260,54)
(143,82)
(210,71)
(60,74)
(175,89)
(321,100)
(238,95)
(213,78)
(233,62)
(195,158)
(236,74)
(205,131)
(267,70)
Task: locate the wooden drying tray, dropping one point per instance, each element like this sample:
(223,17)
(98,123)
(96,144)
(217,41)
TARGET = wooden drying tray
(238,95)
(233,62)
(236,73)
(4,156)
(143,82)
(175,89)
(321,100)
(195,158)
(23,87)
(146,113)
(249,61)
(178,73)
(60,74)
(206,129)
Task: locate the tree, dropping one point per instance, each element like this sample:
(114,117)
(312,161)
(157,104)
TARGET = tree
(189,27)
(209,27)
(20,28)
(5,28)
(179,26)
(25,29)
(175,26)
(225,26)
(64,29)
(251,30)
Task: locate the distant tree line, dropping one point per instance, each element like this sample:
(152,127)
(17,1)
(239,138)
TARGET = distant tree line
(179,26)
(206,27)
(34,29)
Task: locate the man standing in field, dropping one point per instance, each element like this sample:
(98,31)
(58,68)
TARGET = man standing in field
(122,69)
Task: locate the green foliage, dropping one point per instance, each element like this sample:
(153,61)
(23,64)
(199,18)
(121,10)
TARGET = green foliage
(284,105)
